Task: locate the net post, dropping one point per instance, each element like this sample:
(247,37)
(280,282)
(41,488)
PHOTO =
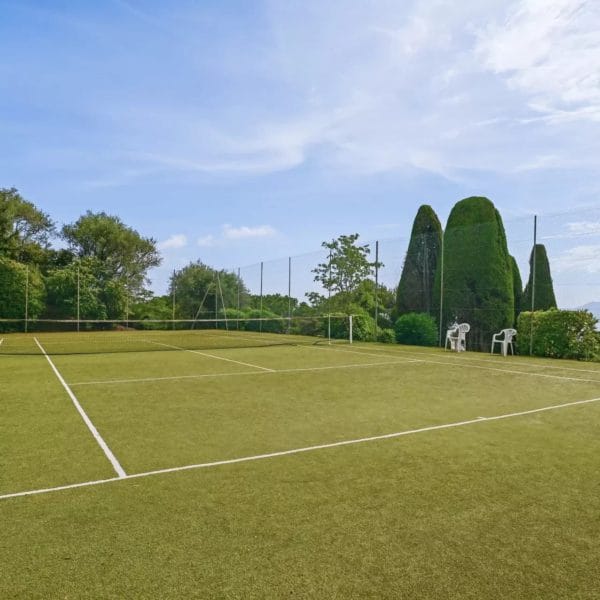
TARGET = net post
(350,324)
(329,302)
(376,289)
(261,295)
(533,284)
(26,297)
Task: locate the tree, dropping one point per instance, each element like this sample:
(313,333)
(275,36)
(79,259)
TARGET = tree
(347,266)
(120,253)
(477,278)
(24,229)
(517,287)
(201,290)
(416,329)
(544,290)
(21,290)
(275,303)
(415,290)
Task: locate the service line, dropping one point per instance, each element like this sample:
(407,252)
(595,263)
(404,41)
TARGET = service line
(374,438)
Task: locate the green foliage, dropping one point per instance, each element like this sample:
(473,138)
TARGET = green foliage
(415,290)
(15,279)
(386,336)
(544,290)
(61,288)
(273,323)
(347,266)
(198,290)
(158,308)
(559,334)
(276,303)
(118,252)
(416,329)
(363,325)
(24,229)
(517,287)
(478,278)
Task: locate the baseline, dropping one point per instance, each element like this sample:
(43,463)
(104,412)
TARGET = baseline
(373,438)
(107,451)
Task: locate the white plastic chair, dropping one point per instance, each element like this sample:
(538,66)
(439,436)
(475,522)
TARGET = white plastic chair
(457,337)
(505,339)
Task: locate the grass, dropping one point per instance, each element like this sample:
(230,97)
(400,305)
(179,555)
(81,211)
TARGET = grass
(498,508)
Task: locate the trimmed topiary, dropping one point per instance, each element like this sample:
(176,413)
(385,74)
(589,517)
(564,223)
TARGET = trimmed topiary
(416,329)
(544,290)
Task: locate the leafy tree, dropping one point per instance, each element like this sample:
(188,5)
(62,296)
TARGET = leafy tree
(198,286)
(347,266)
(415,290)
(24,229)
(17,282)
(275,303)
(478,279)
(120,253)
(416,329)
(544,290)
(61,287)
(517,287)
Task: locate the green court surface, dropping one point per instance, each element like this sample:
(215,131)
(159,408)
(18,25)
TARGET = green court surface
(224,465)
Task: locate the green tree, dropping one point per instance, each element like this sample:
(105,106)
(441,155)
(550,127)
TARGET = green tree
(275,303)
(517,287)
(201,290)
(120,252)
(62,287)
(347,266)
(544,290)
(25,230)
(415,290)
(20,285)
(478,278)
(416,329)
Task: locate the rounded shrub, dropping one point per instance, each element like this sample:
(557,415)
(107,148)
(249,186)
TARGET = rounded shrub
(416,329)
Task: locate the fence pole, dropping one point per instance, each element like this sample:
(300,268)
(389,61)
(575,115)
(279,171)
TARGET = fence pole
(26,297)
(376,289)
(442,287)
(533,284)
(329,302)
(78,300)
(239,279)
(261,295)
(289,294)
(173,308)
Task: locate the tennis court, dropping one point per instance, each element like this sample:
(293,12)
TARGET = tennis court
(240,464)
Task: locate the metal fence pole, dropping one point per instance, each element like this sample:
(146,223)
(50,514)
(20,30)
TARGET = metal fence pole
(239,291)
(26,297)
(289,294)
(533,255)
(173,307)
(78,300)
(261,295)
(442,288)
(376,289)
(329,302)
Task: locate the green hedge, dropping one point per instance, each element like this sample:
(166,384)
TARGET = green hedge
(416,329)
(559,334)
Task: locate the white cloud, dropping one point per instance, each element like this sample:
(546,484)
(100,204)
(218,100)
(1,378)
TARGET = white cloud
(584,227)
(584,259)
(178,240)
(206,241)
(237,233)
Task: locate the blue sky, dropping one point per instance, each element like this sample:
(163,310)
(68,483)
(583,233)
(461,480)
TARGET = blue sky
(239,131)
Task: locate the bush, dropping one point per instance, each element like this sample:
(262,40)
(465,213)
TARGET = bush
(559,334)
(386,336)
(363,326)
(416,329)
(274,324)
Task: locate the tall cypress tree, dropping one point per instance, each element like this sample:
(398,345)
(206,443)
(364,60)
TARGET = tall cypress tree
(477,277)
(415,290)
(517,287)
(544,290)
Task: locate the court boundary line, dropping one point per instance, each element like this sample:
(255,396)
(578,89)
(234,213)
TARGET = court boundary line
(467,366)
(399,361)
(239,362)
(301,450)
(99,439)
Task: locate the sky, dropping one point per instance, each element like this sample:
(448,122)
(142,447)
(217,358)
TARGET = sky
(234,132)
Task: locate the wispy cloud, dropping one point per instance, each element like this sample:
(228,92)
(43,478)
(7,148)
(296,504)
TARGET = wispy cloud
(583,259)
(177,240)
(206,241)
(238,233)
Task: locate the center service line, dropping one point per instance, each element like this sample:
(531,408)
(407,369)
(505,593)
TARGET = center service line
(107,451)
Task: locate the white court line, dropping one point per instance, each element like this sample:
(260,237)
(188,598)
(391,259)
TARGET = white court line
(238,373)
(455,364)
(498,358)
(107,451)
(239,362)
(373,438)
